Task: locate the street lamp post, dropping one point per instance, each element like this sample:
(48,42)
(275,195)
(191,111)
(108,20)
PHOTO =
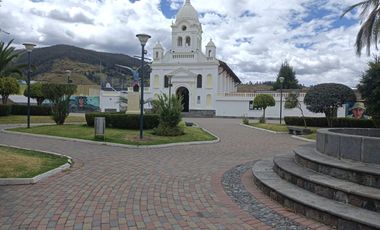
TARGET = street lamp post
(281,86)
(29,47)
(143,38)
(68,73)
(170,88)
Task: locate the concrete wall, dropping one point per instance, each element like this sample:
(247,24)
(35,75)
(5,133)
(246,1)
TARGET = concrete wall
(237,105)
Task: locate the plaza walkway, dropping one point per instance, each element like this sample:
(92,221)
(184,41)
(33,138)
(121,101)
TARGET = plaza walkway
(166,188)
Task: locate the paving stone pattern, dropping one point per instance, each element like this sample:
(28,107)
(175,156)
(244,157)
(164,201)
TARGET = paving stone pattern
(236,190)
(118,188)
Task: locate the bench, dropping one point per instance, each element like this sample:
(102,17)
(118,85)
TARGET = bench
(298,130)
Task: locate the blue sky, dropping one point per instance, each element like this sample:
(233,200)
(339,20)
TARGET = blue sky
(254,37)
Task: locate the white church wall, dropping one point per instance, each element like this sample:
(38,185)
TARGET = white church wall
(238,105)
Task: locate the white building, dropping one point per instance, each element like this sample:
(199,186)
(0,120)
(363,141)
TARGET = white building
(208,86)
(196,76)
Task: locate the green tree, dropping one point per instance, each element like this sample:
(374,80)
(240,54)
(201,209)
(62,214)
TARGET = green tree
(8,86)
(36,92)
(369,88)
(263,101)
(369,30)
(292,102)
(7,58)
(170,115)
(59,95)
(327,98)
(289,75)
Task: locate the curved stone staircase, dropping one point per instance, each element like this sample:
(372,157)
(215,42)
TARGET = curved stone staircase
(337,189)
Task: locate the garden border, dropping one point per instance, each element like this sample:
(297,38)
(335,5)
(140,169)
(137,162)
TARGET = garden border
(267,130)
(42,176)
(120,145)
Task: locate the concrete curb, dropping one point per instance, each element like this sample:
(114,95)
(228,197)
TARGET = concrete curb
(261,129)
(33,180)
(121,145)
(303,139)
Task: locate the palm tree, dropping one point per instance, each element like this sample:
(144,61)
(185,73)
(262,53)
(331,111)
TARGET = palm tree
(7,57)
(370,29)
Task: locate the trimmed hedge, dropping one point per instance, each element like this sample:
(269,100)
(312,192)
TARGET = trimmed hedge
(342,122)
(34,110)
(124,121)
(5,110)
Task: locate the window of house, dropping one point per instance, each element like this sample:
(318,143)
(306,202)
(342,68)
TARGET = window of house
(199,81)
(179,42)
(166,82)
(188,41)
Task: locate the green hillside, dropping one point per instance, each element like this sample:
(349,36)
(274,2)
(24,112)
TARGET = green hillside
(87,66)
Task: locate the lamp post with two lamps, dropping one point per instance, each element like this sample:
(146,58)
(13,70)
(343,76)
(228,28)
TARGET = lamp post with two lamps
(143,38)
(281,86)
(29,48)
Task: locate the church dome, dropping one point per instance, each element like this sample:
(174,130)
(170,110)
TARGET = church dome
(187,12)
(210,44)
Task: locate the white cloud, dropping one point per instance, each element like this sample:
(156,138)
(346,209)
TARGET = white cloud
(254,37)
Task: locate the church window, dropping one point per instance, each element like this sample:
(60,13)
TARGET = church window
(199,81)
(198,99)
(179,43)
(208,100)
(184,28)
(209,53)
(188,41)
(166,82)
(156,55)
(209,81)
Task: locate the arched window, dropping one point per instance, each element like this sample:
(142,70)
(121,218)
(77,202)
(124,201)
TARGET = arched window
(156,54)
(188,41)
(166,82)
(199,81)
(179,42)
(209,53)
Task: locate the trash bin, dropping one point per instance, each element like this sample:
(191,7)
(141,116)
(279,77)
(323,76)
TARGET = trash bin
(100,127)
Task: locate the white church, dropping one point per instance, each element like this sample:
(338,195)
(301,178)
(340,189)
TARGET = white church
(207,85)
(196,76)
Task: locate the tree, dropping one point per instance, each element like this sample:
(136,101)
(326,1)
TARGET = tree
(36,92)
(369,88)
(170,109)
(8,86)
(7,57)
(59,95)
(290,80)
(369,30)
(263,101)
(292,102)
(327,98)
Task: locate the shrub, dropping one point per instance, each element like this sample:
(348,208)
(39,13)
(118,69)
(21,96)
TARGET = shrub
(335,122)
(263,101)
(5,110)
(170,109)
(36,92)
(59,95)
(34,110)
(326,98)
(124,121)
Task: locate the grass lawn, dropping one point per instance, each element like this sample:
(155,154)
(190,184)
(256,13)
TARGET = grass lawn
(18,163)
(121,136)
(272,127)
(16,119)
(283,128)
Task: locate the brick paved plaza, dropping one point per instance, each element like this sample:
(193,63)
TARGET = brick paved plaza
(165,188)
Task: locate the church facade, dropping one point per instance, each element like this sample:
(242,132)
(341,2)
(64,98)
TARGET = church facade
(187,71)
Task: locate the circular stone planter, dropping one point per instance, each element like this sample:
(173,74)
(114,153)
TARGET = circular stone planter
(349,143)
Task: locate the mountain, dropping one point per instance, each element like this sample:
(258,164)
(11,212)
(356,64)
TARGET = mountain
(86,66)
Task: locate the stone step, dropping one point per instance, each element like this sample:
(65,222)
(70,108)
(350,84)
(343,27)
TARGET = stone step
(327,186)
(354,171)
(342,216)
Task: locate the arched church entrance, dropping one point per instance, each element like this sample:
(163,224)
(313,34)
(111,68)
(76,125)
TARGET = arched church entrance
(184,93)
